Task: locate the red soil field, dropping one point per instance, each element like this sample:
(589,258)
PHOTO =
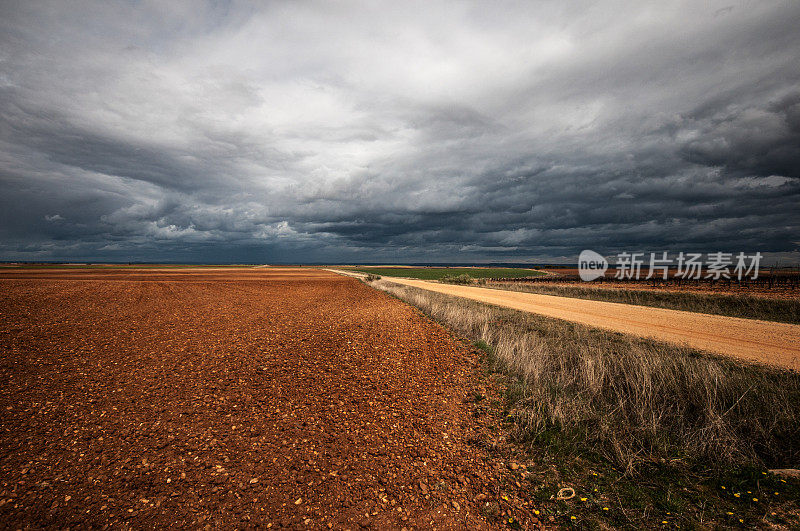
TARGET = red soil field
(717,288)
(231,398)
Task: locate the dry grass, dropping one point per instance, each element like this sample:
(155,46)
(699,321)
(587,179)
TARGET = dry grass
(456,279)
(734,305)
(628,400)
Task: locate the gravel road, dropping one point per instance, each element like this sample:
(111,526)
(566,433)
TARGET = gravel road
(775,344)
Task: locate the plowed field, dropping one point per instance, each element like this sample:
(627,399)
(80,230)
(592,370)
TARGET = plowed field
(230,398)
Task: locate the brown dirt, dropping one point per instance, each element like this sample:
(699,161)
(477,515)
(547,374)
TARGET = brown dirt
(718,288)
(256,398)
(705,289)
(775,344)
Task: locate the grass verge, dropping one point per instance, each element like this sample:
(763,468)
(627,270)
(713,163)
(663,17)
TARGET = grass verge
(456,279)
(436,273)
(645,432)
(733,305)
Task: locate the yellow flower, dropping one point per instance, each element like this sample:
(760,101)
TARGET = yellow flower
(776,494)
(737,494)
(730,513)
(536,512)
(583,499)
(748,492)
(663,521)
(572,518)
(505,498)
(605,508)
(723,487)
(755,499)
(741,521)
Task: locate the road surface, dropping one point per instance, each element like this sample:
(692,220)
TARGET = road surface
(776,344)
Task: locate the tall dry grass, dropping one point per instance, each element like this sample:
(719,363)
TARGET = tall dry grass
(731,304)
(627,399)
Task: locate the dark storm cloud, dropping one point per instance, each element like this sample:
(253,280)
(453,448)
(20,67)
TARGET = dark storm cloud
(760,141)
(429,132)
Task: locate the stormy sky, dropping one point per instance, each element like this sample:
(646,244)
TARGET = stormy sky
(397,131)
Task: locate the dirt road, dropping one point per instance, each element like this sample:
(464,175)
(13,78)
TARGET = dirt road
(229,398)
(776,344)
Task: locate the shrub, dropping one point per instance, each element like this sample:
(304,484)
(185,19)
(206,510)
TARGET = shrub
(453,279)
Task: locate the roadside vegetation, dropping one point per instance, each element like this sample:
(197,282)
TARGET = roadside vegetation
(456,279)
(733,305)
(647,434)
(437,273)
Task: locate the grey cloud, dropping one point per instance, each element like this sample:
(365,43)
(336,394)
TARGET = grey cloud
(754,140)
(428,132)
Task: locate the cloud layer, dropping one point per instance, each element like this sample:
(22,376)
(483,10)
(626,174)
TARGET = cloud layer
(405,131)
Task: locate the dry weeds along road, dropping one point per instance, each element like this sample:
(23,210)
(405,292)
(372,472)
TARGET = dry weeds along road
(776,344)
(268,397)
